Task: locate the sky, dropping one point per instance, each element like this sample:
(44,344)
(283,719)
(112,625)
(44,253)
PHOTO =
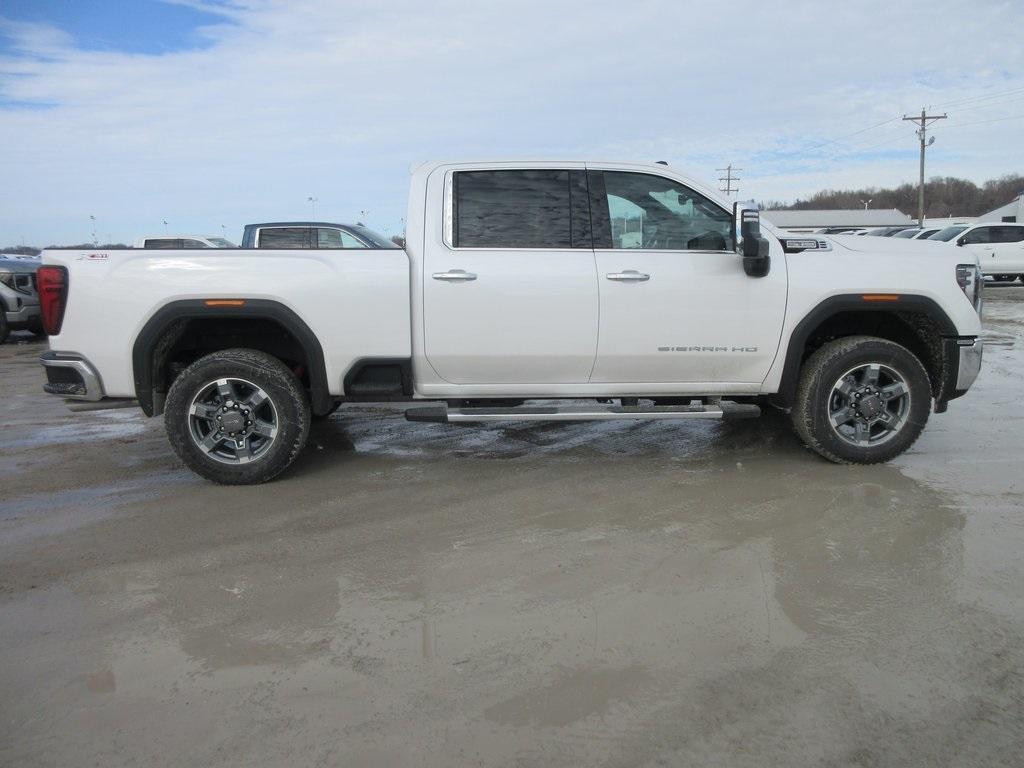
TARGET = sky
(210,114)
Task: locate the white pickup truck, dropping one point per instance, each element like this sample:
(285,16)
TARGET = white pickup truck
(605,290)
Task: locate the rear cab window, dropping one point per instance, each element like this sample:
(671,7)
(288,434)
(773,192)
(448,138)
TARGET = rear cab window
(520,209)
(284,237)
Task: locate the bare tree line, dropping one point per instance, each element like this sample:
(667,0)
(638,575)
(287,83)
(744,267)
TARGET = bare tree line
(944,196)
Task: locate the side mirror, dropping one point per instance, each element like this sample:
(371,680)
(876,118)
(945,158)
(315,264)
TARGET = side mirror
(751,246)
(961,241)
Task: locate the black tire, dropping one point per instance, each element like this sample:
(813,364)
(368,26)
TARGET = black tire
(5,329)
(826,367)
(35,327)
(283,391)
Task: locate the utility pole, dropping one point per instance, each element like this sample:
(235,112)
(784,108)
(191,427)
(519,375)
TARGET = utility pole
(729,179)
(312,200)
(94,240)
(923,122)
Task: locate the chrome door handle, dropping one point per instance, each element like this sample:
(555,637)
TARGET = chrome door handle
(628,275)
(454,274)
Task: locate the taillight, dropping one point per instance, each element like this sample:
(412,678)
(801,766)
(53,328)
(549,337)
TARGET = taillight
(53,296)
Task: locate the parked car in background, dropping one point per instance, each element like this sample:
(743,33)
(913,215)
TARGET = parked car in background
(925,233)
(907,234)
(999,248)
(183,241)
(312,234)
(19,302)
(889,231)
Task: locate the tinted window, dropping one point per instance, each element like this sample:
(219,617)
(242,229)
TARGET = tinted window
(284,237)
(512,209)
(652,212)
(947,234)
(375,239)
(188,243)
(336,238)
(163,243)
(979,235)
(907,233)
(1007,234)
(220,242)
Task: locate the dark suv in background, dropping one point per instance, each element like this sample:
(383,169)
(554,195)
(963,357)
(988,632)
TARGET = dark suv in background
(19,302)
(312,234)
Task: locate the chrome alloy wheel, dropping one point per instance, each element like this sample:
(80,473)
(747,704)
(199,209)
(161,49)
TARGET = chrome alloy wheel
(869,404)
(233,421)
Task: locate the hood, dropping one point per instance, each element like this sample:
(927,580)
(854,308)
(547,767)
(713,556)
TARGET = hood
(894,245)
(18,264)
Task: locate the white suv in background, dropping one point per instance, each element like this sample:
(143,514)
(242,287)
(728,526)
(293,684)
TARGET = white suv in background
(999,247)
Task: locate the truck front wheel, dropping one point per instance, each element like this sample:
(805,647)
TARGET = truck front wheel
(861,400)
(237,417)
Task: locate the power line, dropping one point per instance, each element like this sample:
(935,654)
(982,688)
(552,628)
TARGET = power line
(993,120)
(972,99)
(855,133)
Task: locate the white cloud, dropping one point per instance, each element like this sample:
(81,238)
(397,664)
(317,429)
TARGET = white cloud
(336,100)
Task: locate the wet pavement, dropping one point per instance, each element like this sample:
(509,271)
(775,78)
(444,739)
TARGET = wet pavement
(565,595)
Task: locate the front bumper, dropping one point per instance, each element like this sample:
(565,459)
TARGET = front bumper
(69,374)
(22,314)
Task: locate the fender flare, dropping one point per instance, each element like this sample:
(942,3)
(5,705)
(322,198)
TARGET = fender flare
(156,328)
(849,302)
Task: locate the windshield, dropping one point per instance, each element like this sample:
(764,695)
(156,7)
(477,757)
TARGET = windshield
(947,234)
(220,242)
(375,239)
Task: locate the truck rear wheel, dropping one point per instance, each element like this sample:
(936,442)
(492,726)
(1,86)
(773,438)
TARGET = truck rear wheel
(237,417)
(861,400)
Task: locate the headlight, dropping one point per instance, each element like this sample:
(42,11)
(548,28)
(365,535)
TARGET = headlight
(968,277)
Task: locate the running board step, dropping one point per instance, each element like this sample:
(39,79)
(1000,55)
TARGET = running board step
(722,410)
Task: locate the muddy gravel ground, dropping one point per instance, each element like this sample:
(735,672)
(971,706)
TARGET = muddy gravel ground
(550,595)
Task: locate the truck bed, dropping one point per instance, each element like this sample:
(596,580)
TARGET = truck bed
(355,301)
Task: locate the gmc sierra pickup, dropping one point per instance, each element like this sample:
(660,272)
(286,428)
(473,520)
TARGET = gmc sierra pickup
(626,285)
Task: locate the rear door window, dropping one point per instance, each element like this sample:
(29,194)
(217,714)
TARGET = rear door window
(163,242)
(284,237)
(189,243)
(1007,234)
(520,209)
